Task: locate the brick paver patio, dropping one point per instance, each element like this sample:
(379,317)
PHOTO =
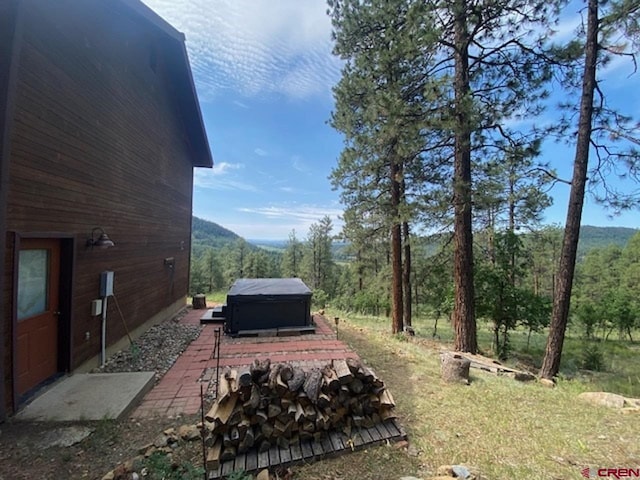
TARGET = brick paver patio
(178,392)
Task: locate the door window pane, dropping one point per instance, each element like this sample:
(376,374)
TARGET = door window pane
(33,275)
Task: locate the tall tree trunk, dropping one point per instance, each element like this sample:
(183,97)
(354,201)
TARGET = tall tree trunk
(512,219)
(396,248)
(464,321)
(564,281)
(406,274)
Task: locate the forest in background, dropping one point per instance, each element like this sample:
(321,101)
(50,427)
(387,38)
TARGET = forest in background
(514,275)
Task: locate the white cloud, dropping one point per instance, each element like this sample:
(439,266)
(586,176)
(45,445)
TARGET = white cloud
(283,218)
(260,152)
(298,164)
(303,212)
(224,167)
(217,178)
(256,46)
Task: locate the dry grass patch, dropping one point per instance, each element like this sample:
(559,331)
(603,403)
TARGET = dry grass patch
(506,429)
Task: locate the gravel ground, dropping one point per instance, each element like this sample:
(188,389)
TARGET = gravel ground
(156,350)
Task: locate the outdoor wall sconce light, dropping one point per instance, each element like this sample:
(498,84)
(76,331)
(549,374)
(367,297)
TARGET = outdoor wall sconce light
(99,239)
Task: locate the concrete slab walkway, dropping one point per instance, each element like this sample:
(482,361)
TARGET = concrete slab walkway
(89,396)
(178,392)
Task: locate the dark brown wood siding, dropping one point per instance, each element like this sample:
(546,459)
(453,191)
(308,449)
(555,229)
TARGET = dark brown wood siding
(98,140)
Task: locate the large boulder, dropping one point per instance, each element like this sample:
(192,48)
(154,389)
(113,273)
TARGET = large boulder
(604,399)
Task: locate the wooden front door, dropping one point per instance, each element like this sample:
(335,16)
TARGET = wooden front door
(37,312)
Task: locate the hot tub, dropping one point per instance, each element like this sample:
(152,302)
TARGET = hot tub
(267,304)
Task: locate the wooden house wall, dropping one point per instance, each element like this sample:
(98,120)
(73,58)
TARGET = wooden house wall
(97,140)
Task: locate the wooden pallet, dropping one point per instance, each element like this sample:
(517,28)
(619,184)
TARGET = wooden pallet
(335,443)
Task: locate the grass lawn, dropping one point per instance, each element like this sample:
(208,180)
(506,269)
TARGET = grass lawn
(503,428)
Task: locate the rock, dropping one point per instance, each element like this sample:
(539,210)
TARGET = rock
(454,471)
(189,433)
(143,449)
(603,399)
(120,472)
(109,476)
(160,441)
(461,472)
(628,410)
(64,437)
(521,376)
(546,382)
(149,451)
(632,402)
(128,465)
(170,431)
(410,478)
(263,475)
(445,471)
(412,451)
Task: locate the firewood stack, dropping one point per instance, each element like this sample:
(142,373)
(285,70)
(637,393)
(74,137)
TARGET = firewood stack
(265,405)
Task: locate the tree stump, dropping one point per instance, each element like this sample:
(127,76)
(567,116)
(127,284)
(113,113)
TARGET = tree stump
(454,368)
(199,302)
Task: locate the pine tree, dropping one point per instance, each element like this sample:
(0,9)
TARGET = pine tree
(610,135)
(292,257)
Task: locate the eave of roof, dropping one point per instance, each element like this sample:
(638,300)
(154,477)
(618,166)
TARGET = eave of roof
(189,105)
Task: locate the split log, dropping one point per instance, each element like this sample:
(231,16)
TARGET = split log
(213,455)
(229,453)
(227,384)
(330,380)
(356,386)
(281,388)
(323,400)
(297,380)
(244,377)
(259,368)
(312,385)
(254,399)
(247,442)
(273,410)
(220,412)
(286,372)
(280,404)
(342,371)
(386,399)
(273,376)
(354,365)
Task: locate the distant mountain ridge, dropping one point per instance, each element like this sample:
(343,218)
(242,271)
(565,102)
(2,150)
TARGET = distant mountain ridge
(207,233)
(598,237)
(204,232)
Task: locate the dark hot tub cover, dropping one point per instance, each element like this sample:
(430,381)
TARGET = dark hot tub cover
(267,303)
(269,286)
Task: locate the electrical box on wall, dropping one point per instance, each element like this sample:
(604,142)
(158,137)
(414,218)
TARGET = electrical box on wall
(106,284)
(96,307)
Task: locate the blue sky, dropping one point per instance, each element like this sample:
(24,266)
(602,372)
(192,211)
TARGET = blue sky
(264,71)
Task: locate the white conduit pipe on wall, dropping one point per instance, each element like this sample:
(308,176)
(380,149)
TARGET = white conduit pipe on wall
(103,336)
